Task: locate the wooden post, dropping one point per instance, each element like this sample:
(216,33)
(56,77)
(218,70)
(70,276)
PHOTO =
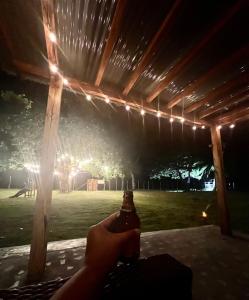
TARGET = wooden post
(38,249)
(224,217)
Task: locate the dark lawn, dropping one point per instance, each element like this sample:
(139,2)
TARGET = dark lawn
(72,214)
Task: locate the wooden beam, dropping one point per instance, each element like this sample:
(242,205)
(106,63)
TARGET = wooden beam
(232,115)
(49,26)
(32,70)
(102,94)
(197,83)
(38,250)
(228,101)
(193,52)
(112,38)
(214,94)
(6,39)
(240,119)
(148,54)
(37,261)
(224,216)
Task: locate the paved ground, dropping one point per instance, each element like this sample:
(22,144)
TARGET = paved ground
(220,264)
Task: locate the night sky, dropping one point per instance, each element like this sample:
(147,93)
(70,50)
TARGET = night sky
(150,142)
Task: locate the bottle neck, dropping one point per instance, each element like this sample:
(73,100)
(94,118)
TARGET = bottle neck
(127,210)
(128,205)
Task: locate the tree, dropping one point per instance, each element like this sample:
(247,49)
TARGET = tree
(20,131)
(183,167)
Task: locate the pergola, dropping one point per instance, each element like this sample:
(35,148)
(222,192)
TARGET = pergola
(182,60)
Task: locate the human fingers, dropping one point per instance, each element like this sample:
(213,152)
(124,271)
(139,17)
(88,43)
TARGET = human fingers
(107,221)
(125,236)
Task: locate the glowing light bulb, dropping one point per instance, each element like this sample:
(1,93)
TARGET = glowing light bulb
(107,100)
(158,114)
(194,127)
(127,107)
(219,127)
(171,120)
(204,214)
(88,98)
(53,68)
(203,127)
(232,126)
(65,81)
(182,120)
(142,112)
(52,37)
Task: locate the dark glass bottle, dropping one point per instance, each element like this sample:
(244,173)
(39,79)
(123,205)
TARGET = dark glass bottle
(127,219)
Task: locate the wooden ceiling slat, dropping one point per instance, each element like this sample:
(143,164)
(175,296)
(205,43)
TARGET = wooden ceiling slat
(112,38)
(148,54)
(85,88)
(49,26)
(214,94)
(193,52)
(226,102)
(193,86)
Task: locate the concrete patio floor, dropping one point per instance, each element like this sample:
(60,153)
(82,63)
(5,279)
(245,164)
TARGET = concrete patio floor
(220,264)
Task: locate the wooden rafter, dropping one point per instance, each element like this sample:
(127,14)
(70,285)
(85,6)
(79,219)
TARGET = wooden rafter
(112,38)
(240,119)
(233,115)
(218,92)
(196,84)
(228,101)
(165,26)
(193,52)
(85,88)
(49,27)
(6,39)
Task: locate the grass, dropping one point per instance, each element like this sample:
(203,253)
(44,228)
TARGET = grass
(72,214)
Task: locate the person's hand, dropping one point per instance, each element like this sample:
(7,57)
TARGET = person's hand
(102,252)
(104,247)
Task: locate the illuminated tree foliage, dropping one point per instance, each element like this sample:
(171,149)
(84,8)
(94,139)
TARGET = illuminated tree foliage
(183,167)
(20,131)
(84,139)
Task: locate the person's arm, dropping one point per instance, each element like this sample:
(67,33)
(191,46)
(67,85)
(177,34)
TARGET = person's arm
(102,252)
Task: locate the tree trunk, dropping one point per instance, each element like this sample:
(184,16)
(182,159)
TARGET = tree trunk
(133,183)
(122,183)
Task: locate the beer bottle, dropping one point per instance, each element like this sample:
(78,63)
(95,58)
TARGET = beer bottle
(127,219)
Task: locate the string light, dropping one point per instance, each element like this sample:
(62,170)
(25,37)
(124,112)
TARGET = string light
(65,81)
(127,107)
(142,112)
(204,214)
(194,127)
(52,37)
(203,127)
(158,114)
(171,120)
(219,127)
(53,68)
(182,120)
(232,126)
(88,98)
(107,100)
